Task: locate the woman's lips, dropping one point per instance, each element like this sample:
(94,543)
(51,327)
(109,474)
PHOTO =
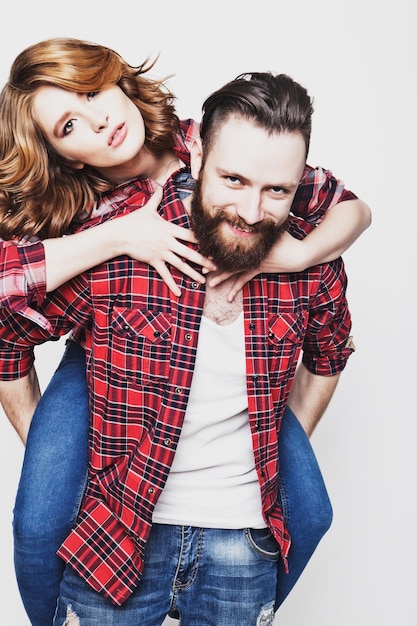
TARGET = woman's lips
(118,135)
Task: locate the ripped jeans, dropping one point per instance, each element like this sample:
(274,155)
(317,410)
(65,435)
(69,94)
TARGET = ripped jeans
(53,479)
(210,577)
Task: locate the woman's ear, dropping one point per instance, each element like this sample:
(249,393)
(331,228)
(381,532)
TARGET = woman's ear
(77,165)
(196,154)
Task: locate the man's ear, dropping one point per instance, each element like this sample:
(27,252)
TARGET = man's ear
(196,154)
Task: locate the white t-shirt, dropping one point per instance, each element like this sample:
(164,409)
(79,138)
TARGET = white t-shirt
(213,482)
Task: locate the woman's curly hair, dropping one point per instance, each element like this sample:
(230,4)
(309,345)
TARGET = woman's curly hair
(41,193)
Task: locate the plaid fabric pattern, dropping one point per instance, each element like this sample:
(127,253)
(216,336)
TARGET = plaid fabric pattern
(141,344)
(141,353)
(22,276)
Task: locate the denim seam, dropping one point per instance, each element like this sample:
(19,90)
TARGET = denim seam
(283,500)
(80,498)
(192,577)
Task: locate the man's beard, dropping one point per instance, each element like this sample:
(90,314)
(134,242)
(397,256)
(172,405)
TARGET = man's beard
(233,254)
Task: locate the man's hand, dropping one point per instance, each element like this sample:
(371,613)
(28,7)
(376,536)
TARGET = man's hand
(310,396)
(19,399)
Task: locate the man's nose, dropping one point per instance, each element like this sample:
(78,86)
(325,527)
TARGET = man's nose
(250,207)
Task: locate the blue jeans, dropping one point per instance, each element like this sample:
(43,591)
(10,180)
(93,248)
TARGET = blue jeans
(51,485)
(53,480)
(212,577)
(304,501)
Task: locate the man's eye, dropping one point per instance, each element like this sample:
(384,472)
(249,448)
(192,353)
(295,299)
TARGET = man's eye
(279,190)
(69,126)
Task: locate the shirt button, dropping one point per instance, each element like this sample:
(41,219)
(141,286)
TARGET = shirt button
(167,441)
(157,333)
(194,284)
(151,490)
(178,389)
(252,326)
(188,337)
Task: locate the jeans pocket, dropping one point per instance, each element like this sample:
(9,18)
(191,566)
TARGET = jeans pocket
(262,541)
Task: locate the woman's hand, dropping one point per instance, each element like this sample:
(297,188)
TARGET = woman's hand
(145,236)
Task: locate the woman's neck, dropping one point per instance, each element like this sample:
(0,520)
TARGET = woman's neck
(146,165)
(162,168)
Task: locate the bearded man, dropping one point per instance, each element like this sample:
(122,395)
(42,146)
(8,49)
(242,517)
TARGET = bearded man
(182,512)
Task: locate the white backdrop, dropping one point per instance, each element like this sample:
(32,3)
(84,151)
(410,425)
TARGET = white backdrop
(358,58)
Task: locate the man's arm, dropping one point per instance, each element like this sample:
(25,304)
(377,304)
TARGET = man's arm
(310,396)
(19,399)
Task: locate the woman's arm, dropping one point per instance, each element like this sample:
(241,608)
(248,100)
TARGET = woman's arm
(338,230)
(142,235)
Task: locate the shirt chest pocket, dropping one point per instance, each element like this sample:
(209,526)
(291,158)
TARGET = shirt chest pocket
(285,339)
(140,344)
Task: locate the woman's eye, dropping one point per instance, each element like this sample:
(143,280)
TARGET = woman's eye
(91,95)
(69,126)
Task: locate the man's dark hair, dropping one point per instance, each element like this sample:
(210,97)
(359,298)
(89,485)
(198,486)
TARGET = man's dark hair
(275,103)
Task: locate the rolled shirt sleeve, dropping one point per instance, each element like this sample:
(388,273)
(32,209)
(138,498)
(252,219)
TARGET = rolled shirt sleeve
(328,343)
(318,191)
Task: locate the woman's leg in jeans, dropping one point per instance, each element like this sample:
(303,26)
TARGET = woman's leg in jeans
(51,485)
(304,500)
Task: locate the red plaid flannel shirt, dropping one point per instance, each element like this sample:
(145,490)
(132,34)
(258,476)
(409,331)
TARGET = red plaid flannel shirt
(141,349)
(22,265)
